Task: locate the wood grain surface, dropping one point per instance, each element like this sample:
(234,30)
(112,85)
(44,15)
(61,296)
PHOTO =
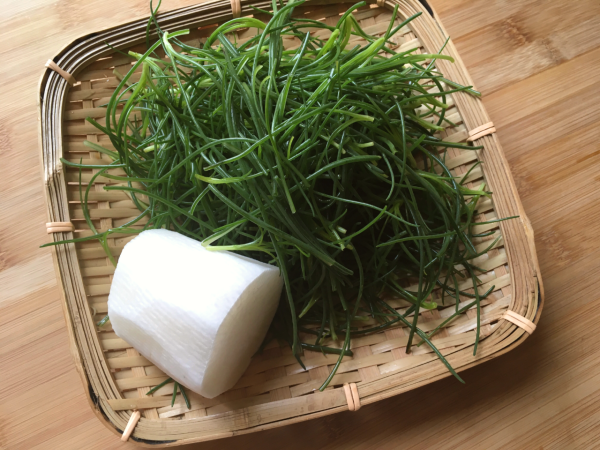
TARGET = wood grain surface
(537,63)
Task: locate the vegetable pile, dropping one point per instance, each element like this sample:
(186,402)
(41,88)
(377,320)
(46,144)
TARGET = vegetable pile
(320,159)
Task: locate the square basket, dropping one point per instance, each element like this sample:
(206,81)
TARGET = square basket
(275,390)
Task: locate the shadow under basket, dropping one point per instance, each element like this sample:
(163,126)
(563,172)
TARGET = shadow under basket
(275,390)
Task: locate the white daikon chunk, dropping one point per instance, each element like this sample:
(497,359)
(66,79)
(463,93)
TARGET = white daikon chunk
(198,315)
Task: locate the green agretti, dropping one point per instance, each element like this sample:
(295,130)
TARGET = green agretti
(320,159)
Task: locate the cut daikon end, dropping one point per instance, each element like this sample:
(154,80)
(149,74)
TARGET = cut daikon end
(198,315)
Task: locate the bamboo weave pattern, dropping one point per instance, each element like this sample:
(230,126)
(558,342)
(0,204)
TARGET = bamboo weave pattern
(275,389)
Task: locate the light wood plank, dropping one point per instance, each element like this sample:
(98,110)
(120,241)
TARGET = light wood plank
(536,62)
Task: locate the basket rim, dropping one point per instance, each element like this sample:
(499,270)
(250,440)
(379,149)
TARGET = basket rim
(53,90)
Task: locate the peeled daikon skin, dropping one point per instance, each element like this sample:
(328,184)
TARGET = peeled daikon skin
(198,315)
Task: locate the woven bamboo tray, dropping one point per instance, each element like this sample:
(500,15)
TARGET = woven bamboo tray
(275,390)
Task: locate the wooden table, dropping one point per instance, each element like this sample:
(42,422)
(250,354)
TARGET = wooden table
(538,66)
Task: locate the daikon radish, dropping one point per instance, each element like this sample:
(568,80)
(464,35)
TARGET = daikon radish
(198,315)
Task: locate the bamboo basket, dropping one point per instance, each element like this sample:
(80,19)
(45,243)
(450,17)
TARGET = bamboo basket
(275,390)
